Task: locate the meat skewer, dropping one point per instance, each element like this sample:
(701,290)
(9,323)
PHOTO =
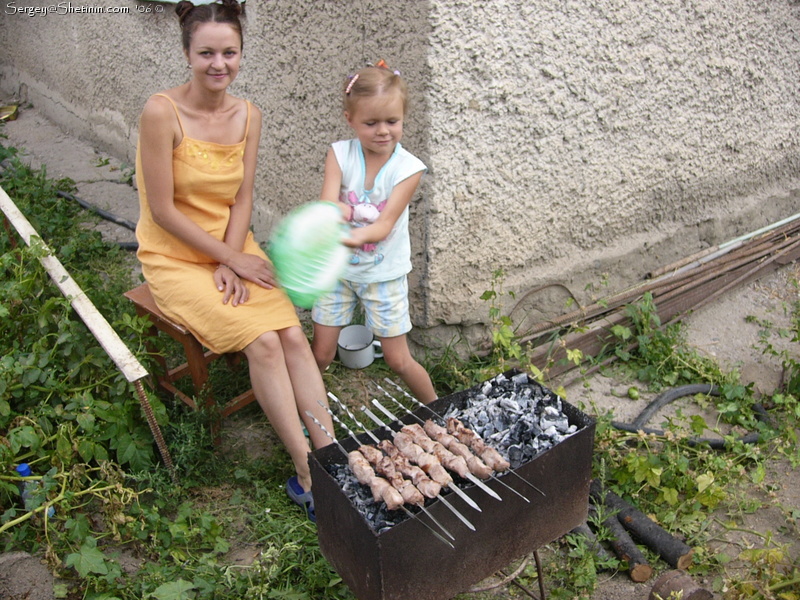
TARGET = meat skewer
(455,463)
(437,415)
(443,500)
(456,448)
(380,488)
(476,465)
(471,439)
(427,462)
(385,465)
(428,485)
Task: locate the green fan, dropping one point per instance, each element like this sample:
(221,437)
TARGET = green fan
(307,252)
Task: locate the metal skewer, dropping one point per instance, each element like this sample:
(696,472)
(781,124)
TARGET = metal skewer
(422,422)
(405,510)
(468,476)
(451,486)
(433,412)
(350,414)
(352,435)
(344,426)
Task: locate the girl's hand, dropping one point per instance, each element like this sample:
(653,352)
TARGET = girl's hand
(253,268)
(358,237)
(231,286)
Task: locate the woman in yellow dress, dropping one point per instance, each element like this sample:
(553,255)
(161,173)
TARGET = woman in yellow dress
(195,168)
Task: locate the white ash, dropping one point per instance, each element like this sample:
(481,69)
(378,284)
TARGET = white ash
(515,415)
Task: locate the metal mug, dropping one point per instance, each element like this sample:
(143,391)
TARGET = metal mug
(358,347)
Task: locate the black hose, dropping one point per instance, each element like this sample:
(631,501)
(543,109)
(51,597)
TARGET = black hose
(6,164)
(96,209)
(665,398)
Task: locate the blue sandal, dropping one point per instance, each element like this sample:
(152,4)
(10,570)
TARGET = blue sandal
(302,498)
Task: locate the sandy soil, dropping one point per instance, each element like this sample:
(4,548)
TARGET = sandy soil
(719,330)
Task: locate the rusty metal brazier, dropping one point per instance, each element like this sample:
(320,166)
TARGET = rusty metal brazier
(406,562)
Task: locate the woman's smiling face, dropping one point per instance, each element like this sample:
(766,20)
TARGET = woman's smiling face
(215,53)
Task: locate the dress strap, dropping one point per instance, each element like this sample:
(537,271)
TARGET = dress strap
(177,114)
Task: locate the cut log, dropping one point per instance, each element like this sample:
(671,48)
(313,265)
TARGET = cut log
(676,553)
(638,568)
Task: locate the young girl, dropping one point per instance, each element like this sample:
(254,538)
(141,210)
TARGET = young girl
(195,167)
(373,178)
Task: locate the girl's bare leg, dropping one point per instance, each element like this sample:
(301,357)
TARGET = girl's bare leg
(398,357)
(323,345)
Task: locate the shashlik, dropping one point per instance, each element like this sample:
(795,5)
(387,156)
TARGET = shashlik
(381,488)
(427,462)
(385,466)
(476,466)
(419,478)
(467,436)
(457,464)
(430,449)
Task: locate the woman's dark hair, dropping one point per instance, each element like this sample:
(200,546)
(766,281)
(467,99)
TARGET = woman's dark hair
(191,16)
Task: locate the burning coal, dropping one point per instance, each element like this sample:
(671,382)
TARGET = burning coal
(517,416)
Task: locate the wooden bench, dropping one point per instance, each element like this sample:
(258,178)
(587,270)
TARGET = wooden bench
(197,358)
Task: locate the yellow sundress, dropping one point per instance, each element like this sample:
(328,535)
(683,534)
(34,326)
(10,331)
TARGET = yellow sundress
(207,177)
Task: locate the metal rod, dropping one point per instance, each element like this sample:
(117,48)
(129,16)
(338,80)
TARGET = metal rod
(433,412)
(350,414)
(422,422)
(346,428)
(450,486)
(468,476)
(326,432)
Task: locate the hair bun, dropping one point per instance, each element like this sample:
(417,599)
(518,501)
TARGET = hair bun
(234,6)
(183,8)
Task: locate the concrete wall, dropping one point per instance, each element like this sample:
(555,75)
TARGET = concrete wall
(569,143)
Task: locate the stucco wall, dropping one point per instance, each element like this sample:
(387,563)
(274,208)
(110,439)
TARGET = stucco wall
(568,142)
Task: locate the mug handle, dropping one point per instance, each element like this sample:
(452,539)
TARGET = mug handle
(376,346)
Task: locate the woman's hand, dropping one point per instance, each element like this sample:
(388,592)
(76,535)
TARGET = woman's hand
(253,268)
(231,286)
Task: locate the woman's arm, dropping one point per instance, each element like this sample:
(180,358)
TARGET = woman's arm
(242,210)
(399,199)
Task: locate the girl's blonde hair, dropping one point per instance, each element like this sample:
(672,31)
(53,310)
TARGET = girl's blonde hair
(373,81)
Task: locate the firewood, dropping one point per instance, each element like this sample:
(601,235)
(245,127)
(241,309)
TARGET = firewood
(638,568)
(676,553)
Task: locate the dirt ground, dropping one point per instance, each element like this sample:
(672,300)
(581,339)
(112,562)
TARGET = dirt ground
(720,330)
